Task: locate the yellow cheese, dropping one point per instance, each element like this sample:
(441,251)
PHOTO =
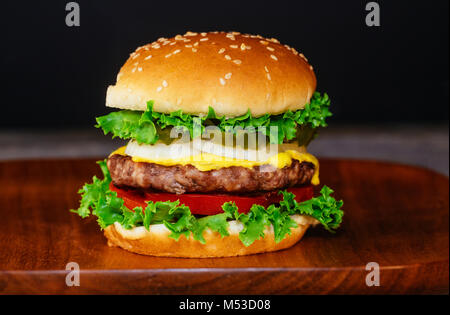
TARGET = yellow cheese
(119,151)
(207,162)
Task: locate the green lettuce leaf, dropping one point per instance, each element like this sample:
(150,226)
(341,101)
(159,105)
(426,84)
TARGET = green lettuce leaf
(145,126)
(255,221)
(324,208)
(282,223)
(97,199)
(128,124)
(103,202)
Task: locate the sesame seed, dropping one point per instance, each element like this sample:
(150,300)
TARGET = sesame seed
(273,57)
(140,69)
(158,89)
(243,46)
(188,46)
(165,43)
(146,48)
(179,37)
(196,44)
(135,56)
(190,34)
(164,83)
(203,34)
(134,70)
(168,55)
(268,76)
(186,40)
(172,43)
(234,46)
(136,63)
(311,67)
(274,40)
(235,33)
(227,57)
(148,57)
(303,56)
(264,42)
(156,46)
(222,81)
(194,49)
(270,48)
(248,47)
(230,36)
(204,39)
(222,50)
(176,51)
(265,68)
(228,76)
(237,61)
(162,39)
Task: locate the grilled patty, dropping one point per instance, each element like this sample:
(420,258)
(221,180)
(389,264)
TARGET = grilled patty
(180,179)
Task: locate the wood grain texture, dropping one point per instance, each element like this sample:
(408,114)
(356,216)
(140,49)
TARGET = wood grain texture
(396,216)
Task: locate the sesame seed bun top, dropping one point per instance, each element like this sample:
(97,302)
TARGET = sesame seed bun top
(231,72)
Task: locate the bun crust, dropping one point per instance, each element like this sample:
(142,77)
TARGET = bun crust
(230,72)
(156,241)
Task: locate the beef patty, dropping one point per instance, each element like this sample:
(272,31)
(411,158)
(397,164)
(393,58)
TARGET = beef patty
(180,179)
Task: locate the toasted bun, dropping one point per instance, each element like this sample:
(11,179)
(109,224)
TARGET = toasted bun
(156,241)
(230,72)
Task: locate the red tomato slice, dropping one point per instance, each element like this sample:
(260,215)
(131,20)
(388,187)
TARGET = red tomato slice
(209,204)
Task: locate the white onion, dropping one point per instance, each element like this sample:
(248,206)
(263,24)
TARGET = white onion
(178,150)
(235,152)
(161,151)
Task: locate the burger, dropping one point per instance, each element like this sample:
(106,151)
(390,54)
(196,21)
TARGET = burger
(217,125)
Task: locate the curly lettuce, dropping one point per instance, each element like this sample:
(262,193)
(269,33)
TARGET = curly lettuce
(146,127)
(98,200)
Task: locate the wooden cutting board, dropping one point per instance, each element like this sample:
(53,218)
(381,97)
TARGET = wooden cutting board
(395,215)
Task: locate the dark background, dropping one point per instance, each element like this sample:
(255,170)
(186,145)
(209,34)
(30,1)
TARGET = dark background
(56,76)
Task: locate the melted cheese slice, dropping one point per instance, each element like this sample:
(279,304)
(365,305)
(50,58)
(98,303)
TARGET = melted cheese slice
(207,161)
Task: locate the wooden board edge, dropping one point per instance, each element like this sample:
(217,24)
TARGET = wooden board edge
(393,280)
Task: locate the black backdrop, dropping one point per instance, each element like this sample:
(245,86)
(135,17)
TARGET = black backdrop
(56,76)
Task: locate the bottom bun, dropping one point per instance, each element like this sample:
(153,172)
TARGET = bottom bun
(156,241)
